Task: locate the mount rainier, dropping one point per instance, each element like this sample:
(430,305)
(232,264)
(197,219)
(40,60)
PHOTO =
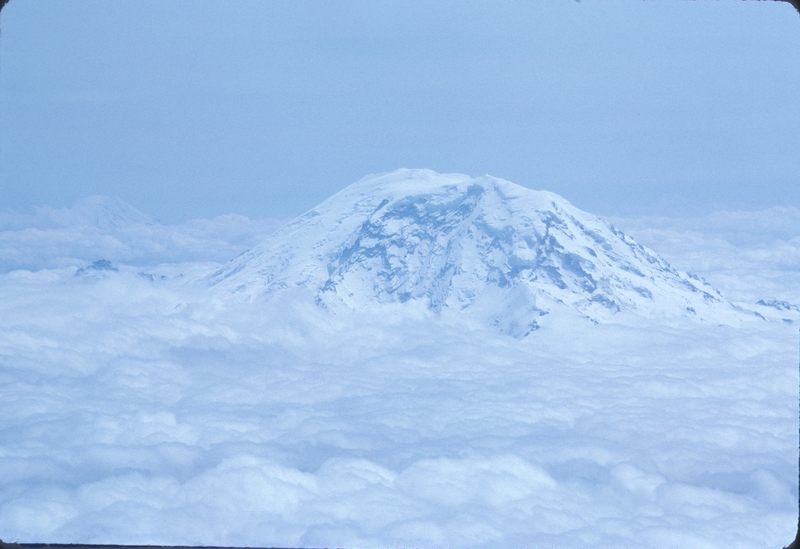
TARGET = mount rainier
(457,244)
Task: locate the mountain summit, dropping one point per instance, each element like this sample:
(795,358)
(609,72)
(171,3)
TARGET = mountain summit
(453,243)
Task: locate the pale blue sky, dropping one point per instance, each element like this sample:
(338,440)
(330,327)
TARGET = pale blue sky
(188,109)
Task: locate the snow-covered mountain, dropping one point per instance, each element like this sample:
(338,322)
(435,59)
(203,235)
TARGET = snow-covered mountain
(454,243)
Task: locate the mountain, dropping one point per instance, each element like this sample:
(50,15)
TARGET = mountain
(457,244)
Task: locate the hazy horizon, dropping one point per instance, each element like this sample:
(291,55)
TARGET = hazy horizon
(265,109)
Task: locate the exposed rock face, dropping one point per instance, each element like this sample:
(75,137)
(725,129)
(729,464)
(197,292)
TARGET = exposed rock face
(456,243)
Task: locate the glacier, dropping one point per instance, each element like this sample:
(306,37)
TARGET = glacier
(459,243)
(418,361)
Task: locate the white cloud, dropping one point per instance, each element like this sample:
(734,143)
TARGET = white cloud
(143,411)
(107,228)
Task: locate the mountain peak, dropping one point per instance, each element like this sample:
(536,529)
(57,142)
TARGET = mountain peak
(109,213)
(454,243)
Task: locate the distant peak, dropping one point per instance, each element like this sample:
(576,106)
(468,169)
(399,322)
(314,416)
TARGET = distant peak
(99,265)
(107,212)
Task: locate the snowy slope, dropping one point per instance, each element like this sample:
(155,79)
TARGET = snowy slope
(455,244)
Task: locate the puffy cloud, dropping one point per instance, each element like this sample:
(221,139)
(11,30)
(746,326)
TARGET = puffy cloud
(141,410)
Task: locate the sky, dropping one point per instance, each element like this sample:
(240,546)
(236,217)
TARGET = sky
(264,109)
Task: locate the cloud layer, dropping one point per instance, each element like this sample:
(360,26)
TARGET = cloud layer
(140,409)
(104,227)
